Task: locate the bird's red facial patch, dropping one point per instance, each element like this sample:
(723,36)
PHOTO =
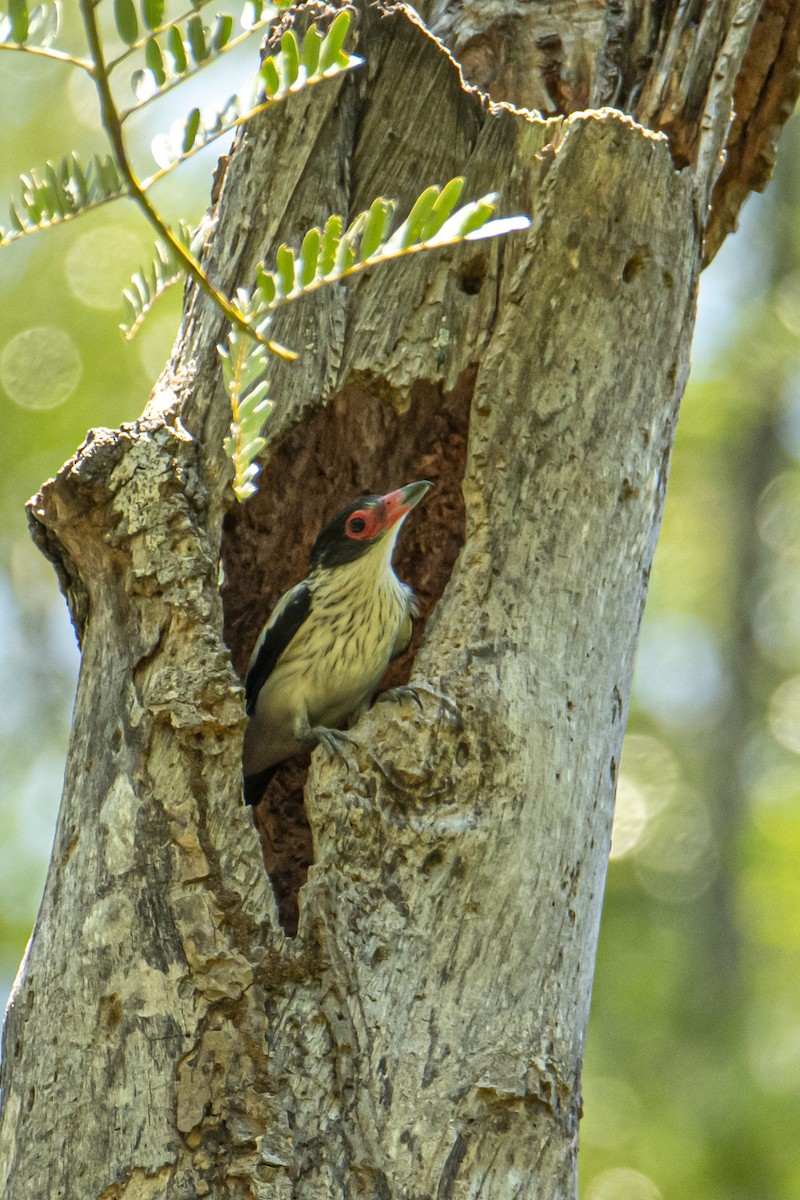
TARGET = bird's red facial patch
(364,523)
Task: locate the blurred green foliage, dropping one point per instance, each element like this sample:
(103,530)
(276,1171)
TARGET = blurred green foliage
(692,1080)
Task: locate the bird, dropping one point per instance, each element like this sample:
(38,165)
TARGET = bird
(319,659)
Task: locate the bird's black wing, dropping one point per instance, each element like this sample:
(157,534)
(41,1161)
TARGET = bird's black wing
(284,623)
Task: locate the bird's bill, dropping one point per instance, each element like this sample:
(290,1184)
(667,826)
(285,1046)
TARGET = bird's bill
(397,504)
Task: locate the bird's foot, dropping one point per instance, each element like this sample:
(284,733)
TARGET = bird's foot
(336,743)
(397,694)
(412,691)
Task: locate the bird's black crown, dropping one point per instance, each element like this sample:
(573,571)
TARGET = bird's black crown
(334,547)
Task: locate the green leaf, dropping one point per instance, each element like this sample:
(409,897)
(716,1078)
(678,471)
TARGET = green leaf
(291,57)
(78,182)
(222,31)
(252,448)
(331,50)
(330,244)
(265,284)
(476,219)
(270,76)
(59,202)
(152,13)
(379,218)
(196,32)
(411,229)
(126,20)
(345,254)
(309,255)
(466,220)
(256,401)
(311,47)
(18,14)
(155,61)
(190,130)
(108,177)
(177,49)
(445,203)
(285,263)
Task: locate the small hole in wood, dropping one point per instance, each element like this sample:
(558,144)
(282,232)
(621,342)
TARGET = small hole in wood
(632,268)
(472,275)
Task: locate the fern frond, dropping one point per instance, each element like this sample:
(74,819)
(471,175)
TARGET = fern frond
(325,256)
(244,367)
(60,192)
(147,285)
(152,24)
(333,253)
(181,51)
(295,66)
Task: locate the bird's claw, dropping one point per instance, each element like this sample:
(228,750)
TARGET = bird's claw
(412,690)
(398,694)
(336,743)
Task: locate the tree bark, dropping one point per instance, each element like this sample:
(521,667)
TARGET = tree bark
(422,1034)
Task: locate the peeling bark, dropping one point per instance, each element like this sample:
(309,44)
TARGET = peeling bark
(720,78)
(422,1034)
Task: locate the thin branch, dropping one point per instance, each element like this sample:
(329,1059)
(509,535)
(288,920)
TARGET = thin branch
(113,127)
(44,52)
(15,235)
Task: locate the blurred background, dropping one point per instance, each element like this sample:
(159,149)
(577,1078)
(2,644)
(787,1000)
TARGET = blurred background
(692,1080)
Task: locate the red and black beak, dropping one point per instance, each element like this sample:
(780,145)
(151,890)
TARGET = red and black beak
(397,505)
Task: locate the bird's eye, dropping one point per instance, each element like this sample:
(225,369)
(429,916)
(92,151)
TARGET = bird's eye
(356,525)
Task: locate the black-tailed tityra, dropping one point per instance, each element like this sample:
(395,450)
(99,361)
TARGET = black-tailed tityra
(321,654)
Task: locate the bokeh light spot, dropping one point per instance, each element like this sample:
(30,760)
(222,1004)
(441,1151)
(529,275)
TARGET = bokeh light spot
(678,858)
(784,714)
(648,777)
(40,367)
(779,512)
(99,265)
(679,674)
(775,1050)
(776,621)
(623,1183)
(630,818)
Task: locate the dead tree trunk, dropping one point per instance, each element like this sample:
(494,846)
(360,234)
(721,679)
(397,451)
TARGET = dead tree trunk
(422,1035)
